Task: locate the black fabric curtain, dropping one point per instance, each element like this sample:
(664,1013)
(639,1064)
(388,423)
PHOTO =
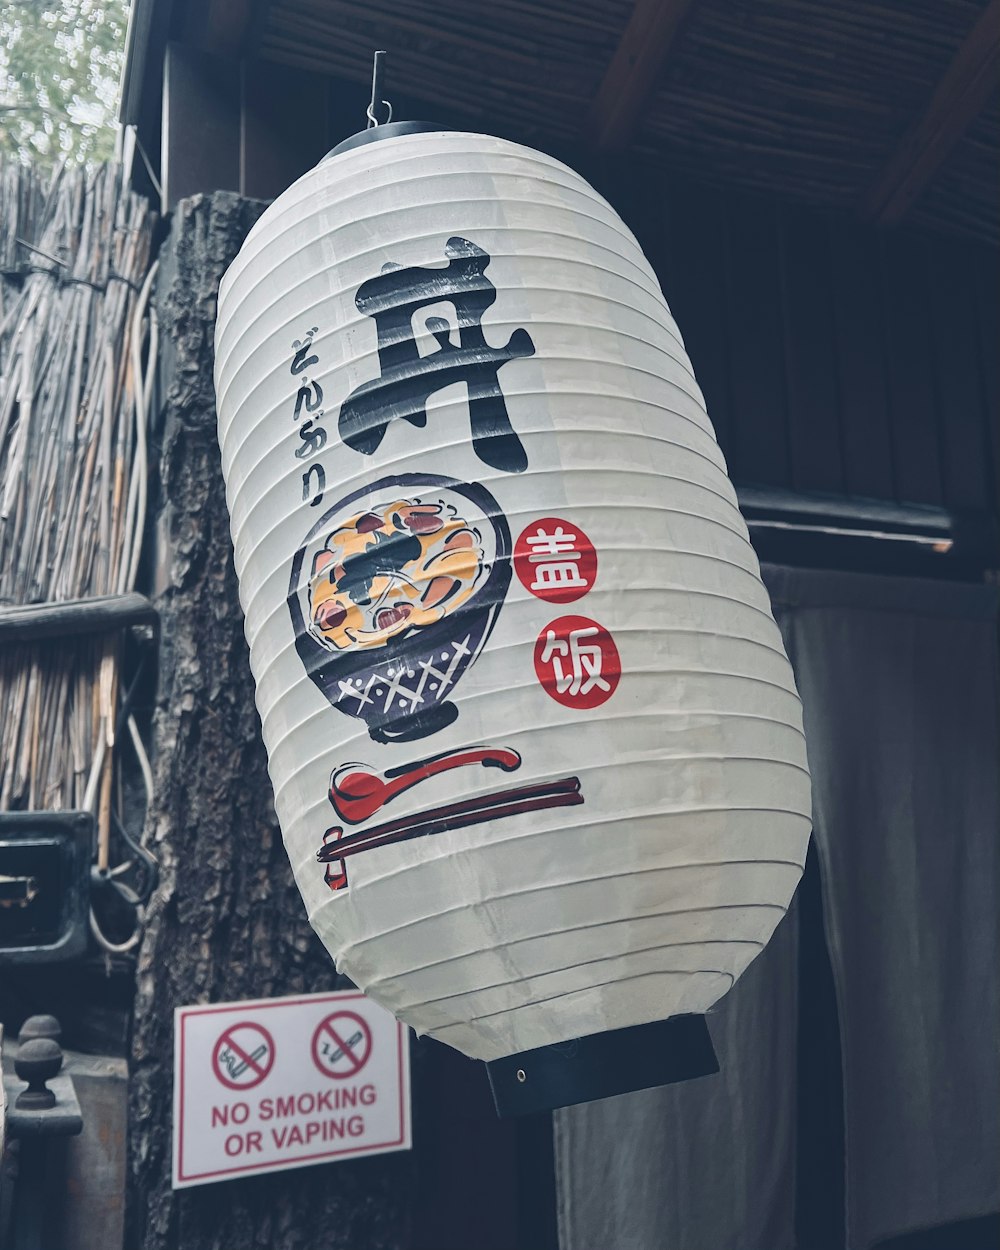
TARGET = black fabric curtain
(899,686)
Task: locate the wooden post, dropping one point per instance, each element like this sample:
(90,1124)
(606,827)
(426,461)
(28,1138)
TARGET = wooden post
(227,922)
(200,144)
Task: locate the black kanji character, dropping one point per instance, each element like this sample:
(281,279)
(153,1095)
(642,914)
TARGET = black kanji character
(408,379)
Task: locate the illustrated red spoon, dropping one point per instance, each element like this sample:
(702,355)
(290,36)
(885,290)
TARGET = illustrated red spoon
(357,792)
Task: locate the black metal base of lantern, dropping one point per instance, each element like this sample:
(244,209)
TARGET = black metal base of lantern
(387,130)
(602,1065)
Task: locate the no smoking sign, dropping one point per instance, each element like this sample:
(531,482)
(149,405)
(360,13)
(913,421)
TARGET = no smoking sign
(285,1082)
(243,1055)
(341,1045)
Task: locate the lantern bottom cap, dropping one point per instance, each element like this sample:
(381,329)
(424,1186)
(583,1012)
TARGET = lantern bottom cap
(602,1065)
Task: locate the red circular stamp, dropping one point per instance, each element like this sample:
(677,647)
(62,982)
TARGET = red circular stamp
(555,560)
(577,662)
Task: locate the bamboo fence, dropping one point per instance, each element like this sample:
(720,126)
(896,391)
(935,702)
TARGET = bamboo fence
(77,358)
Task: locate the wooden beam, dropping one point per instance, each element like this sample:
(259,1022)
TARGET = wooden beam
(968,83)
(200,130)
(25,622)
(275,146)
(222,27)
(630,77)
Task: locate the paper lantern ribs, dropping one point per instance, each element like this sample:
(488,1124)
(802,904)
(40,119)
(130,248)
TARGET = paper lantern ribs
(536,746)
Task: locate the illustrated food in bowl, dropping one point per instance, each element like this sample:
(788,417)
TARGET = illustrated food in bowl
(393,595)
(391,569)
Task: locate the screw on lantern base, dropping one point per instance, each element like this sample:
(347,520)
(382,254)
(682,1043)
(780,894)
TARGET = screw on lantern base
(602,1065)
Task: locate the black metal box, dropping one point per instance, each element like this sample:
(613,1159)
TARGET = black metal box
(44,885)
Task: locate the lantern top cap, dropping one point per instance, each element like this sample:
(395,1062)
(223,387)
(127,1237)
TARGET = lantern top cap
(389,130)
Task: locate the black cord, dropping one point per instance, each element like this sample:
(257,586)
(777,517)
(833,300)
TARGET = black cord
(151,867)
(129,696)
(67,280)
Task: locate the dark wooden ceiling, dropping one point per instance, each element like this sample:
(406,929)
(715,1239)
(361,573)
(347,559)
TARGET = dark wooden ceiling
(884,109)
(814,98)
(888,110)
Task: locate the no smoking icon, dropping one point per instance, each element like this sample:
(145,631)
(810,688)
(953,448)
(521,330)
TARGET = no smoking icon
(243,1055)
(341,1045)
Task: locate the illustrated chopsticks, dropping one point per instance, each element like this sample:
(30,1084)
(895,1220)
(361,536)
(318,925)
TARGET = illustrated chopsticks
(495,806)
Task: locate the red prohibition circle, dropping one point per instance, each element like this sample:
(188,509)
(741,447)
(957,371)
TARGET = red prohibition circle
(555,560)
(344,1035)
(242,1055)
(577,662)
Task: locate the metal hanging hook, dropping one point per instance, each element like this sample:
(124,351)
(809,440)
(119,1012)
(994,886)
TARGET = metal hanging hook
(378,72)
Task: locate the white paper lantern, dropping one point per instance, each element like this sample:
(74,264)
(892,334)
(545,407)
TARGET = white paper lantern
(520,684)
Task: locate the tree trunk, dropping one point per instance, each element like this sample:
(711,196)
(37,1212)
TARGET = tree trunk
(227,921)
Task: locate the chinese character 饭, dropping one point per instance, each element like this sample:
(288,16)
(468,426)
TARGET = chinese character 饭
(585,661)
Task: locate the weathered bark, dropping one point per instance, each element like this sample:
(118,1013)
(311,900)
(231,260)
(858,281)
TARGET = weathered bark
(227,922)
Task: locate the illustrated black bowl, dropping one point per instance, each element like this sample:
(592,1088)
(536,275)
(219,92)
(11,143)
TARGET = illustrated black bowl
(401,689)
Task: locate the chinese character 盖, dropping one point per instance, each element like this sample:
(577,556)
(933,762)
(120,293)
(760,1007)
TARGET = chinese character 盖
(555,560)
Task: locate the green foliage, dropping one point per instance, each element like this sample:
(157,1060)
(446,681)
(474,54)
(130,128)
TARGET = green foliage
(60,65)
